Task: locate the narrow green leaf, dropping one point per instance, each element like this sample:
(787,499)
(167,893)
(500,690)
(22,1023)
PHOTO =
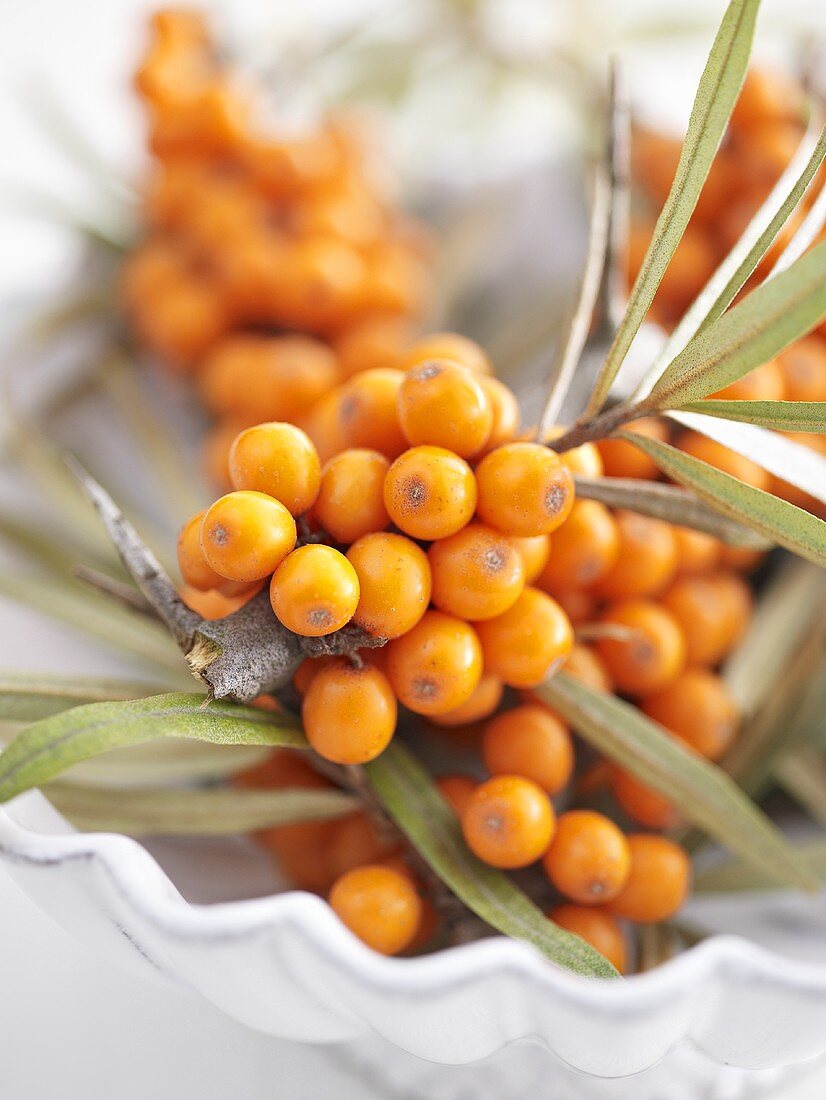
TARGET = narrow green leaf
(26,697)
(776,519)
(735,875)
(218,811)
(716,94)
(49,747)
(748,335)
(169,762)
(701,791)
(784,416)
(413,801)
(669,503)
(802,773)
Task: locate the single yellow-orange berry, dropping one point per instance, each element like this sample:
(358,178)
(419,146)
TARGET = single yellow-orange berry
(658,882)
(534,551)
(436,666)
(430,492)
(589,859)
(597,927)
(477,573)
(379,905)
(508,821)
(456,790)
(524,489)
(349,713)
(443,404)
(647,558)
(485,699)
(651,656)
(698,707)
(277,459)
(640,801)
(447,345)
(314,591)
(585,547)
(350,501)
(528,642)
(532,742)
(246,535)
(394,583)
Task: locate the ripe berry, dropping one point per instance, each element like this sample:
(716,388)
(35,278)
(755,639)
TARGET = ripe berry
(589,859)
(456,790)
(356,840)
(277,459)
(485,699)
(524,489)
(585,547)
(367,411)
(505,409)
(508,821)
(430,493)
(699,709)
(534,551)
(349,713)
(442,403)
(804,370)
(436,666)
(246,535)
(597,927)
(712,611)
(586,666)
(528,641)
(350,501)
(652,656)
(477,573)
(532,742)
(647,558)
(447,345)
(764,383)
(394,581)
(697,552)
(622,459)
(379,905)
(195,570)
(658,881)
(642,803)
(314,591)
(372,342)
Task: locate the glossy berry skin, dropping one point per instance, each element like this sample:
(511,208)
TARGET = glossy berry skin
(586,666)
(436,666)
(246,535)
(447,345)
(713,611)
(508,821)
(623,459)
(483,702)
(585,547)
(658,881)
(349,713)
(430,493)
(642,803)
(652,657)
(477,573)
(531,742)
(534,551)
(355,841)
(646,560)
(194,567)
(277,459)
(697,552)
(505,409)
(589,859)
(314,591)
(443,404)
(457,790)
(528,641)
(367,411)
(699,709)
(597,927)
(524,489)
(379,905)
(350,501)
(394,583)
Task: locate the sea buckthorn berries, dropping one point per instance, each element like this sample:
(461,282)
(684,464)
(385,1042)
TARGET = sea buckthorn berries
(697,552)
(477,573)
(350,501)
(505,409)
(642,803)
(436,666)
(379,905)
(456,791)
(623,459)
(767,95)
(528,641)
(314,591)
(586,666)
(277,459)
(195,570)
(349,713)
(723,458)
(372,342)
(579,605)
(658,881)
(589,859)
(246,535)
(764,383)
(356,840)
(443,404)
(653,654)
(213,604)
(699,709)
(597,927)
(532,742)
(647,558)
(712,611)
(217,443)
(586,546)
(394,581)
(508,821)
(534,551)
(483,702)
(430,493)
(367,411)
(804,370)
(524,489)
(447,345)
(584,460)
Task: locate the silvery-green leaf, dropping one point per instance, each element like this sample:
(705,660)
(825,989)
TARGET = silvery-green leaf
(26,697)
(785,416)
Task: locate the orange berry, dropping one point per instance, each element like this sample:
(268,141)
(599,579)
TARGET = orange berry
(483,702)
(430,492)
(349,713)
(394,581)
(182,323)
(442,403)
(658,882)
(213,604)
(579,605)
(697,552)
(622,459)
(764,383)
(314,591)
(528,642)
(508,821)
(642,803)
(524,489)
(368,414)
(596,927)
(456,790)
(505,409)
(585,547)
(246,535)
(371,343)
(306,671)
(589,859)
(740,558)
(767,95)
(217,444)
(357,840)
(277,459)
(534,551)
(723,458)
(713,612)
(655,653)
(323,425)
(699,709)
(647,558)
(477,573)
(436,666)
(532,742)
(586,666)
(194,567)
(379,905)
(447,345)
(804,370)
(584,460)
(350,501)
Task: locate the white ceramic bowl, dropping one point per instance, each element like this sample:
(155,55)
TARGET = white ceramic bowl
(284,965)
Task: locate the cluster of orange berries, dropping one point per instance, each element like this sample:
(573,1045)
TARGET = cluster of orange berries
(766,127)
(273,264)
